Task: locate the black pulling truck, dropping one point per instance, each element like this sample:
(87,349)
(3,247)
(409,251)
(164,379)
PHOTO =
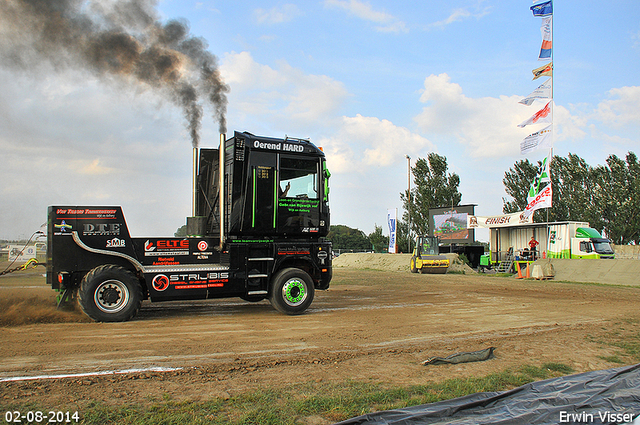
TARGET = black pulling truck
(260,217)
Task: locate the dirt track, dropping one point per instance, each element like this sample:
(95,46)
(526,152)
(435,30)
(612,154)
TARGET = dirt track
(372,326)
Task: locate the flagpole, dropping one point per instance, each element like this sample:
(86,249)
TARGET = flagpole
(553,128)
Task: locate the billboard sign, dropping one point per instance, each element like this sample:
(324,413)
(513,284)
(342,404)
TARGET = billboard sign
(449,224)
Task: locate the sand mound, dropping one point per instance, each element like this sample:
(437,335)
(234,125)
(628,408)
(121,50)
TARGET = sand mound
(392,262)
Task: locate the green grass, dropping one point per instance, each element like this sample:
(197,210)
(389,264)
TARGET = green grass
(612,359)
(290,405)
(625,339)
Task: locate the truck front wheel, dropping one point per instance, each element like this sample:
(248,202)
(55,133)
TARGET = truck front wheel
(110,293)
(291,291)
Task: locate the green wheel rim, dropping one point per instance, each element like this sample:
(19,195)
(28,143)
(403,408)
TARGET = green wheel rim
(294,292)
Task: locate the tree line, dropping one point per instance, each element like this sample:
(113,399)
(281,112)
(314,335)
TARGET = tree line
(346,238)
(606,196)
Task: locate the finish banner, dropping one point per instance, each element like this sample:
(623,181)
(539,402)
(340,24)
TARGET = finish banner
(505,220)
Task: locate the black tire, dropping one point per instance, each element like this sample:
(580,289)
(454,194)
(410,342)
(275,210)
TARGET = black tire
(292,291)
(110,293)
(414,269)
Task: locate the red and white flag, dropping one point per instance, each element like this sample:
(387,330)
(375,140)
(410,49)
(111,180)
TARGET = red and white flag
(542,116)
(542,200)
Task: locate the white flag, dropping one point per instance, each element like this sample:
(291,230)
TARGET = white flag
(542,92)
(392,222)
(542,200)
(539,139)
(542,116)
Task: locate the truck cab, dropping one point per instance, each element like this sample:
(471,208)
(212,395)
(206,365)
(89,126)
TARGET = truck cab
(273,187)
(588,243)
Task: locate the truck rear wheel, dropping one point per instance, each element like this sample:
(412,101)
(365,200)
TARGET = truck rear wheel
(110,293)
(291,291)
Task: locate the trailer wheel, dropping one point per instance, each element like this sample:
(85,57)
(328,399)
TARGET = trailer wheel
(291,291)
(110,293)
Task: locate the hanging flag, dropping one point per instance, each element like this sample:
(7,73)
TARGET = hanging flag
(542,116)
(543,71)
(538,140)
(542,200)
(543,176)
(547,39)
(542,92)
(542,9)
(392,222)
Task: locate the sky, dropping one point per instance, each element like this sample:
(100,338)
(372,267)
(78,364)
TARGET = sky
(369,81)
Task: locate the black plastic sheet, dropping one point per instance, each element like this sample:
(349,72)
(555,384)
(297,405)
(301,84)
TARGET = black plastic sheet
(465,357)
(601,397)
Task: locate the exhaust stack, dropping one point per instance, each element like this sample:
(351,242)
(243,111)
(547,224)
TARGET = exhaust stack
(196,226)
(194,182)
(223,140)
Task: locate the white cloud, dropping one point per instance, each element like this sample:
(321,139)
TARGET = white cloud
(364,11)
(277,15)
(91,168)
(623,107)
(311,102)
(362,142)
(460,14)
(568,127)
(456,15)
(486,126)
(206,6)
(385,142)
(283,93)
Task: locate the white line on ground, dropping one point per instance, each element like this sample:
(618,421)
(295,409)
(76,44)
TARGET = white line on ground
(82,375)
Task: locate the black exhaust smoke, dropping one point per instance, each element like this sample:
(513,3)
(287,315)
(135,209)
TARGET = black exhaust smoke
(120,38)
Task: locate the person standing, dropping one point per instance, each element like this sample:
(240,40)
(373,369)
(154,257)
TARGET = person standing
(533,243)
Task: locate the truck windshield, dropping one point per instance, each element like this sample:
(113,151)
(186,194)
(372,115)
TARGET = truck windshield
(301,178)
(603,247)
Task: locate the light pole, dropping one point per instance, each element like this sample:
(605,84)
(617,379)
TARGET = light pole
(409,198)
